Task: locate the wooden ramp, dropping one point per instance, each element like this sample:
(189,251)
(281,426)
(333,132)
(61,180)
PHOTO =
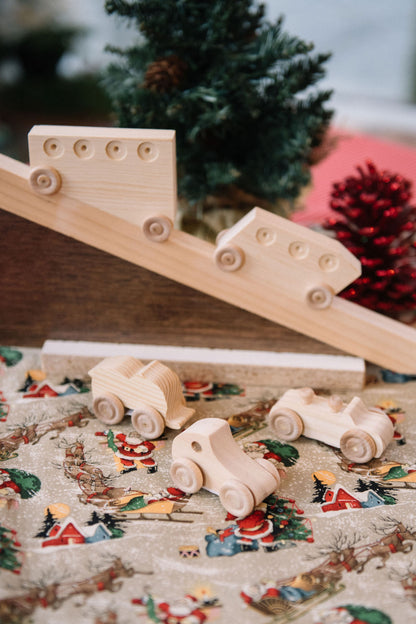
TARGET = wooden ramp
(264,264)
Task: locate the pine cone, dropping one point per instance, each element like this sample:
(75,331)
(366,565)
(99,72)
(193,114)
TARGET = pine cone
(165,74)
(378,226)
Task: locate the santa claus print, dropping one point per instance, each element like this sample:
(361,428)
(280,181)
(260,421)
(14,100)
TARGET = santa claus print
(184,610)
(15,483)
(131,451)
(255,527)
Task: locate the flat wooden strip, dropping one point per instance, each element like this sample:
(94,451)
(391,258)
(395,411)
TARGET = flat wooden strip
(335,372)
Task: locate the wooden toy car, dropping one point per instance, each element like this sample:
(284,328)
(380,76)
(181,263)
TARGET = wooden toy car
(206,455)
(153,393)
(306,266)
(360,432)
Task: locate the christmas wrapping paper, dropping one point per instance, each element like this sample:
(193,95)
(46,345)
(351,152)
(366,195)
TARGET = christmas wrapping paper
(92,528)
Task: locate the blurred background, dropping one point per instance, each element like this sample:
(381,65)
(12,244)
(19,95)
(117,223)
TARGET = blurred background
(373,66)
(52,64)
(52,52)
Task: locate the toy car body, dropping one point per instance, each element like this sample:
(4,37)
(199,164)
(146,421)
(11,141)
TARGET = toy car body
(206,455)
(360,432)
(312,268)
(153,393)
(127,172)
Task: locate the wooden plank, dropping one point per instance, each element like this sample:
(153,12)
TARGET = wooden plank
(261,368)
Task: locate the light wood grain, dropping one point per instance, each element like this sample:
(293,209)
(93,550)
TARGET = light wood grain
(137,384)
(208,447)
(329,419)
(289,257)
(128,173)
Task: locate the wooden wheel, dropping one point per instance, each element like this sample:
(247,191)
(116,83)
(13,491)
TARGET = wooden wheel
(186,475)
(271,469)
(358,446)
(148,422)
(157,228)
(108,408)
(320,297)
(45,180)
(229,258)
(236,498)
(220,235)
(286,424)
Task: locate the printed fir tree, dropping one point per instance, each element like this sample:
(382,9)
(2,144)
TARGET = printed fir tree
(372,486)
(319,490)
(113,524)
(378,225)
(240,93)
(10,356)
(48,522)
(287,521)
(4,407)
(9,550)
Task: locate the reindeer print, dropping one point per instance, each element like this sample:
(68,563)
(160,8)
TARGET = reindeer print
(32,433)
(396,539)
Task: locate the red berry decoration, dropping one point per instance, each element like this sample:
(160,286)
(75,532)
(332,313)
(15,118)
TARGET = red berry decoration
(378,226)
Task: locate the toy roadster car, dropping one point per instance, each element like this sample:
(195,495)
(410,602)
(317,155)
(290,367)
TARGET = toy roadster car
(360,432)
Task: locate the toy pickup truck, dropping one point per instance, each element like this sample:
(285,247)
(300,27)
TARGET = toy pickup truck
(360,432)
(151,393)
(206,455)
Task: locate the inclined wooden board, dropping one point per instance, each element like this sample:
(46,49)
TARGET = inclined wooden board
(335,372)
(190,260)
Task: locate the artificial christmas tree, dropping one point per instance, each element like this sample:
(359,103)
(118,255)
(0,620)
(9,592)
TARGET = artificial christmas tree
(378,225)
(237,90)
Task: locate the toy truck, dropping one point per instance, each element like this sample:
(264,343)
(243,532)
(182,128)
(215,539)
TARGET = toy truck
(152,394)
(360,432)
(206,455)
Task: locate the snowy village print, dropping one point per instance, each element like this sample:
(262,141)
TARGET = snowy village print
(92,527)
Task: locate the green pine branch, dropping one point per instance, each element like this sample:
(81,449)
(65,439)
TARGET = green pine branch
(246,108)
